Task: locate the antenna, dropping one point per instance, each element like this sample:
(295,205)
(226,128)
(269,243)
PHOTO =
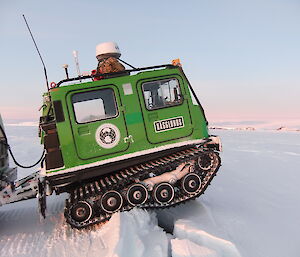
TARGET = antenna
(75,54)
(45,71)
(127,63)
(66,70)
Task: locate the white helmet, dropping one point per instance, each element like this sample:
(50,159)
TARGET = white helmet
(107,49)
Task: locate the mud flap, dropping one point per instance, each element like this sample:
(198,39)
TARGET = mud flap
(42,197)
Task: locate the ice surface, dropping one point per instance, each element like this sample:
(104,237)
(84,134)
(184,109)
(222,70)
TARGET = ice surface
(253,202)
(186,248)
(252,206)
(186,229)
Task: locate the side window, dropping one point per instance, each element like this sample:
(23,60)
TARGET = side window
(162,93)
(94,105)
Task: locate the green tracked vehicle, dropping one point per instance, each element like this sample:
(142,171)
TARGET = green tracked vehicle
(128,138)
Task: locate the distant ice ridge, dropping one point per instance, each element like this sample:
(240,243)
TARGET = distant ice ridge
(23,124)
(280,125)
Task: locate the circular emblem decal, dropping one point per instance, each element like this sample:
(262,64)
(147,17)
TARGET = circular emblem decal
(107,135)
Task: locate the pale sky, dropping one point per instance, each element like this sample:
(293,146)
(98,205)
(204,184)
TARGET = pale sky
(241,56)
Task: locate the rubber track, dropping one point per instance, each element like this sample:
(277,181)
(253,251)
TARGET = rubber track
(91,192)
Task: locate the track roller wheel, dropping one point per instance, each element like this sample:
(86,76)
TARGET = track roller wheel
(207,161)
(163,193)
(111,201)
(137,194)
(81,211)
(191,183)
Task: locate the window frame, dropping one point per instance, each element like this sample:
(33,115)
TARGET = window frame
(163,107)
(97,120)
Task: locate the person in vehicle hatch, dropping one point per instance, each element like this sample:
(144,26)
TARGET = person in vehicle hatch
(107,55)
(107,65)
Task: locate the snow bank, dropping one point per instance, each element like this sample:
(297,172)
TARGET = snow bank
(139,234)
(199,243)
(133,234)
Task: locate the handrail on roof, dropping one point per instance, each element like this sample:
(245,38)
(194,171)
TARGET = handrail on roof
(113,74)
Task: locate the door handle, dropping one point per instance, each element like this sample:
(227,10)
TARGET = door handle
(83,130)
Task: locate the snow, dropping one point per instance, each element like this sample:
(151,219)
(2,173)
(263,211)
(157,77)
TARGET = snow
(250,209)
(134,233)
(186,229)
(185,247)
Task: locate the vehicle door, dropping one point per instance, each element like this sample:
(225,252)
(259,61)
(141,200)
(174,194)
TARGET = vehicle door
(166,113)
(97,122)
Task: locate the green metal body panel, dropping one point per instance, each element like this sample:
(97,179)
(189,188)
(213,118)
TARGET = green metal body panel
(133,120)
